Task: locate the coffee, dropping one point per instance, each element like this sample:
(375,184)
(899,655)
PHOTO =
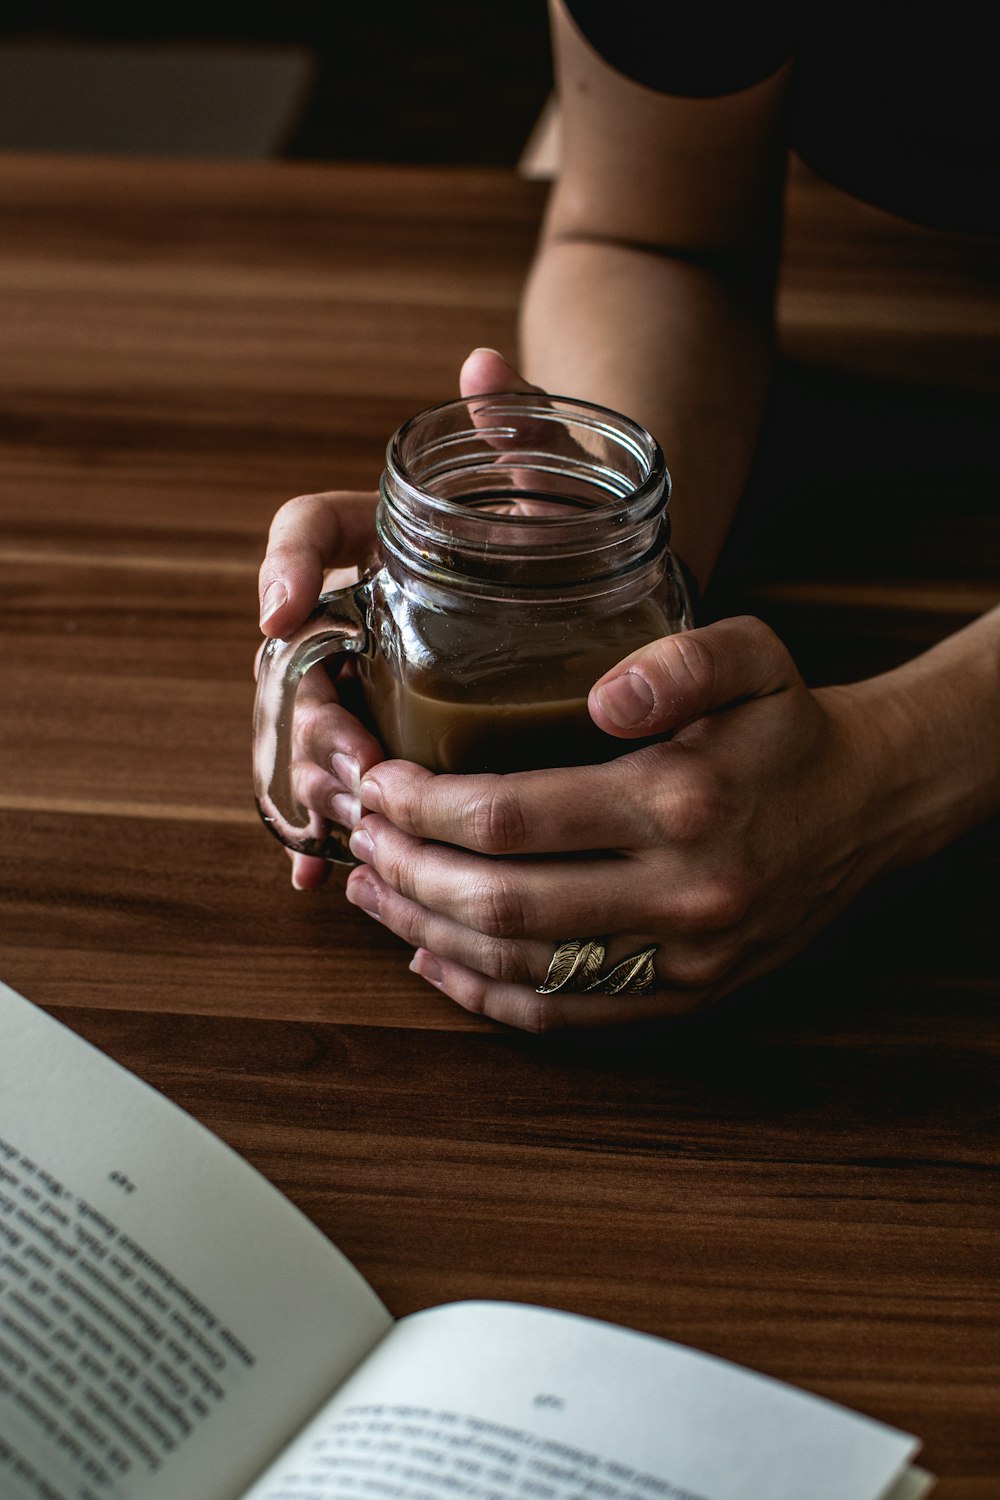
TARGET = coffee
(471,737)
(509,710)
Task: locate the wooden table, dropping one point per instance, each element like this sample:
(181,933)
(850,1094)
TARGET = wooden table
(805,1183)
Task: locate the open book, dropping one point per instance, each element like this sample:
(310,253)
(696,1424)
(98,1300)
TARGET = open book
(172,1328)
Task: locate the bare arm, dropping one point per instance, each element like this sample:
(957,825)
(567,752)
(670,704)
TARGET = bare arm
(652,288)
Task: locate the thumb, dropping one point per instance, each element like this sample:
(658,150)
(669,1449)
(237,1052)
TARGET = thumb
(486,370)
(678,678)
(309,535)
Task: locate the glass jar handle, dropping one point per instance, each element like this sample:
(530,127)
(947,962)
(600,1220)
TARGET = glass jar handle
(337,626)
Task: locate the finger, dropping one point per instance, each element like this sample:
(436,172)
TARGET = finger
(486,370)
(308,874)
(329,735)
(548,425)
(509,899)
(325,794)
(523,962)
(331,749)
(522,1006)
(308,535)
(483,925)
(539,812)
(513,961)
(679,678)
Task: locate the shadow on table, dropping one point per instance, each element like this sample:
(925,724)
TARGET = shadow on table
(870,528)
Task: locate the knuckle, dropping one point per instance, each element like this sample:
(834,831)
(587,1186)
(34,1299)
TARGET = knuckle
(474,995)
(495,820)
(717,905)
(534,1013)
(505,960)
(686,665)
(409,803)
(281,557)
(312,723)
(291,539)
(754,630)
(287,516)
(311,786)
(758,641)
(497,907)
(393,866)
(691,810)
(522,1009)
(406,920)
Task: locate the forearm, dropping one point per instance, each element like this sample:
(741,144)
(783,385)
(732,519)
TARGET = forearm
(652,288)
(928,745)
(667,341)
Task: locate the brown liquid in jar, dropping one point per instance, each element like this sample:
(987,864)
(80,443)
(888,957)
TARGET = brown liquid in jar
(532,717)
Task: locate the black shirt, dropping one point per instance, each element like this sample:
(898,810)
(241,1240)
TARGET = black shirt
(894,102)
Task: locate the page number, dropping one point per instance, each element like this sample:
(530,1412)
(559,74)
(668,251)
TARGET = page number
(554,1403)
(121,1181)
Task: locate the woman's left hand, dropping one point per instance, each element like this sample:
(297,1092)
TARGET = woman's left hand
(726,846)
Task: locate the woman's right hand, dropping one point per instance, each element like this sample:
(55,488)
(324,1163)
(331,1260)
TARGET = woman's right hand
(311,540)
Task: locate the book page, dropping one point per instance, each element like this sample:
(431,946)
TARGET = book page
(495,1401)
(167,1318)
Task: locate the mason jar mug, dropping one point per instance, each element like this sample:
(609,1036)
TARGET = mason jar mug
(523,550)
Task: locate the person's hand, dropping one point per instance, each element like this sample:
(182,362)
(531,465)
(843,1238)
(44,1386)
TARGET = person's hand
(728,846)
(309,537)
(313,545)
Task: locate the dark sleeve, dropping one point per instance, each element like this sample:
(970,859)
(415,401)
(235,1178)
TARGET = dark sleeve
(698,49)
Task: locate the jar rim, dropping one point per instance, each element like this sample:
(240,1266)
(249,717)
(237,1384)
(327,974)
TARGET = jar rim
(633,438)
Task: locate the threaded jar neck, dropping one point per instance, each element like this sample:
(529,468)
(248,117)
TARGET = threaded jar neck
(523,494)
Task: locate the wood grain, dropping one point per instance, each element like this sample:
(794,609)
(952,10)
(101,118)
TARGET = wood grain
(806,1180)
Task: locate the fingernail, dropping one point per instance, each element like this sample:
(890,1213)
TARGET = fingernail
(346,809)
(627,700)
(362,846)
(371,794)
(427,966)
(273,597)
(362,893)
(347,769)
